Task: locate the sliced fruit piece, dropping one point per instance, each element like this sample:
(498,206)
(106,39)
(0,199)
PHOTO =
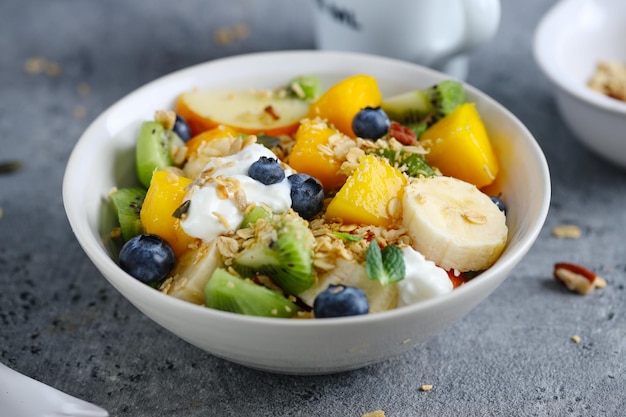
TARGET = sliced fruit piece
(305,87)
(371,195)
(227,292)
(165,195)
(249,112)
(152,151)
(255,213)
(200,139)
(459,147)
(283,250)
(421,108)
(344,100)
(308,157)
(191,273)
(453,224)
(351,273)
(127,203)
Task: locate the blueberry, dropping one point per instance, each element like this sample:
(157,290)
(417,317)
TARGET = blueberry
(307,195)
(498,202)
(371,123)
(148,258)
(267,171)
(181,128)
(340,301)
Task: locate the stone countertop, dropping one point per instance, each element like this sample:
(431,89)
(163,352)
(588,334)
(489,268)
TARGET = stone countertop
(63,62)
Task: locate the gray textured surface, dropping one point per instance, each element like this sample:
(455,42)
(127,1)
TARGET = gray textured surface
(62,323)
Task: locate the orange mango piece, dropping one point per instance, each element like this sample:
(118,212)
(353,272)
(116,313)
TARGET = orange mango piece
(371,195)
(218,132)
(165,194)
(459,146)
(340,103)
(307,157)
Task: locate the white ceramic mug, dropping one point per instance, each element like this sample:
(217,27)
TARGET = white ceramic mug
(435,33)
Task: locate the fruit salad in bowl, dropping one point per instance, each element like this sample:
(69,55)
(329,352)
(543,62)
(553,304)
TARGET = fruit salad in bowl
(305,217)
(321,218)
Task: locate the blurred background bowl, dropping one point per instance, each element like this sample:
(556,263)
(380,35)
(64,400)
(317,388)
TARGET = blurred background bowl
(103,158)
(570,40)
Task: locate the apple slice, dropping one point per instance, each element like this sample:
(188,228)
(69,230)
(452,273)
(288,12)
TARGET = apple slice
(246,111)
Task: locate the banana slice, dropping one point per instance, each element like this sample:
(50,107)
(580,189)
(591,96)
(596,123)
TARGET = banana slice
(351,273)
(453,223)
(192,272)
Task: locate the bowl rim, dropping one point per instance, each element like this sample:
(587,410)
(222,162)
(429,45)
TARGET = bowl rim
(79,223)
(543,46)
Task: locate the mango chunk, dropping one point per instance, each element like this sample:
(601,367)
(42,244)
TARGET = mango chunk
(200,139)
(371,195)
(459,146)
(308,156)
(345,99)
(165,194)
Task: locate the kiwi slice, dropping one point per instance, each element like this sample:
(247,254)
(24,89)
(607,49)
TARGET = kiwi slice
(283,250)
(127,203)
(305,87)
(227,292)
(419,109)
(152,151)
(256,213)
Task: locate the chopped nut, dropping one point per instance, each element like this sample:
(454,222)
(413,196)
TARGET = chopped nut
(79,112)
(576,338)
(566,231)
(53,69)
(34,65)
(577,278)
(377,413)
(610,79)
(166,118)
(83,89)
(426,387)
(228,35)
(272,112)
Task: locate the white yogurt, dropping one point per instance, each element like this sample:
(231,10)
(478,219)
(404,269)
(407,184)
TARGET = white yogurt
(210,216)
(423,279)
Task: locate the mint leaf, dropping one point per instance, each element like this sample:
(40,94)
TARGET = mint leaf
(393,263)
(347,236)
(374,261)
(385,266)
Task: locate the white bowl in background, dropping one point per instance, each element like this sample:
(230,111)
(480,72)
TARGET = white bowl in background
(103,158)
(570,40)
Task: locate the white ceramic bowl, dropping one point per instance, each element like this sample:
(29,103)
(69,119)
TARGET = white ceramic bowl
(569,42)
(103,158)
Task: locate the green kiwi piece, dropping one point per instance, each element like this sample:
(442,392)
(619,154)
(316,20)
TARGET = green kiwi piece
(152,151)
(283,251)
(256,213)
(419,109)
(127,203)
(305,87)
(227,292)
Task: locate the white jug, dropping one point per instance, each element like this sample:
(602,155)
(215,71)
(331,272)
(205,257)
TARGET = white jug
(434,33)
